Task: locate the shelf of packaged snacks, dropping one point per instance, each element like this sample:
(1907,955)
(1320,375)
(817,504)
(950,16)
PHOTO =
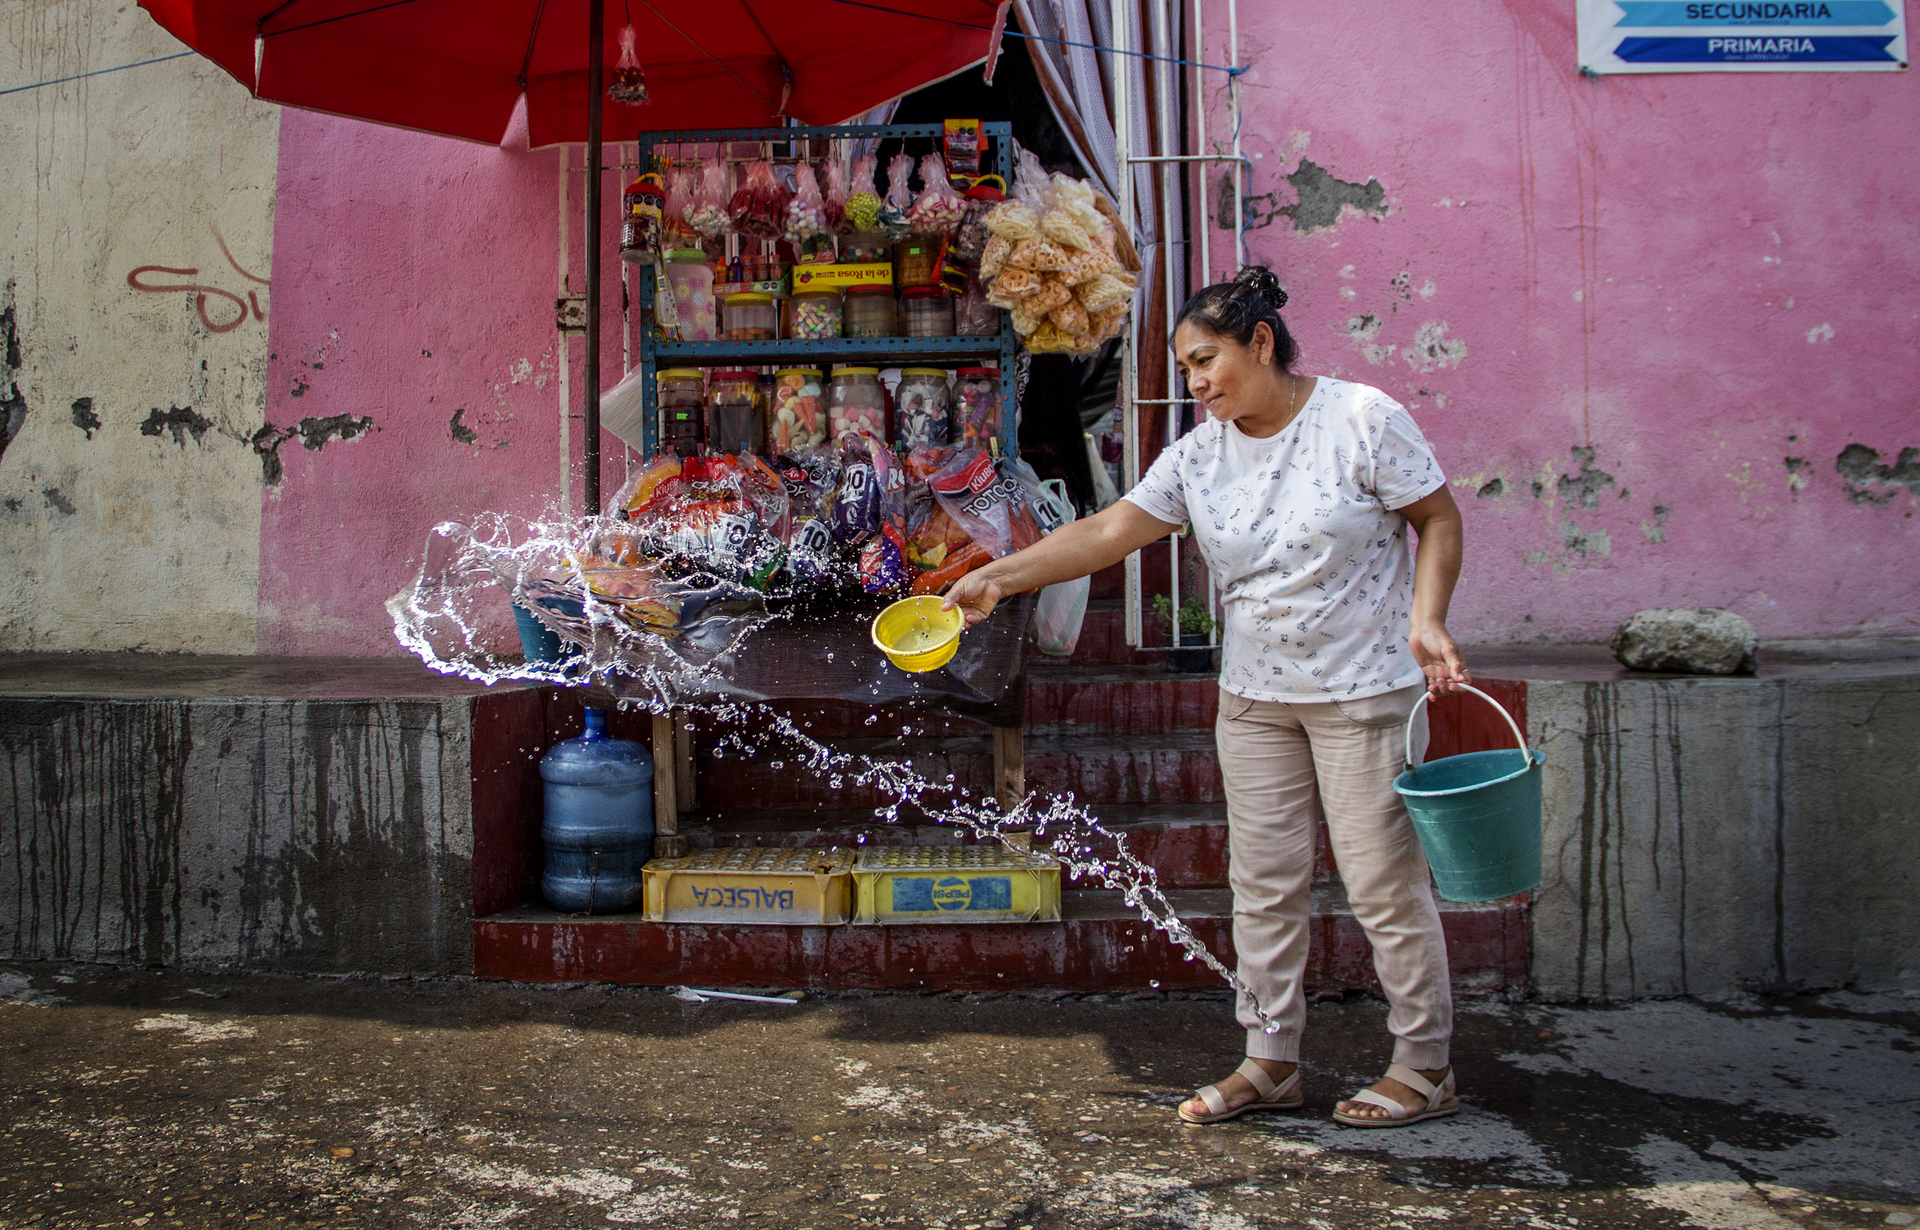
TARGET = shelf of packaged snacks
(894,350)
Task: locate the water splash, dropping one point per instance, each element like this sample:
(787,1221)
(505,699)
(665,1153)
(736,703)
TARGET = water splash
(663,619)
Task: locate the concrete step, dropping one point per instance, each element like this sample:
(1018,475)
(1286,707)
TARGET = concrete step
(1176,766)
(1185,843)
(1100,945)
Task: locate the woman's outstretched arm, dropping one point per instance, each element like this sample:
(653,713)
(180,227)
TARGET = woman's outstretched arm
(1073,550)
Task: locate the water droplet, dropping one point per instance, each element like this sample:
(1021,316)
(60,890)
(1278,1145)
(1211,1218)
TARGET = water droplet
(1154,983)
(872,718)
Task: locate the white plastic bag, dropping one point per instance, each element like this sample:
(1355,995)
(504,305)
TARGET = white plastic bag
(1063,606)
(623,409)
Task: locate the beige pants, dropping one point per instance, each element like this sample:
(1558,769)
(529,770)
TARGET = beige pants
(1284,764)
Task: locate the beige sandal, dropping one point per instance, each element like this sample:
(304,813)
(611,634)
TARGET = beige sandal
(1267,1095)
(1440,1100)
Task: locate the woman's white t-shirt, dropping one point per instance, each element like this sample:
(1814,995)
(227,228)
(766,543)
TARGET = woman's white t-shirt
(1300,533)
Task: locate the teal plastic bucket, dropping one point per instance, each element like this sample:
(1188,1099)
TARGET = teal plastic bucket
(1477,815)
(539,644)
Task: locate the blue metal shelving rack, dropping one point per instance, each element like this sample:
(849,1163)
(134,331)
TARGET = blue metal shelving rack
(887,351)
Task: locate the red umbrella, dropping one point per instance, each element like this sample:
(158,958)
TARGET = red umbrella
(459,67)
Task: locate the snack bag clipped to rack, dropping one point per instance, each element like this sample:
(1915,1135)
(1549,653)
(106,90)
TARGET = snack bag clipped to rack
(938,209)
(682,183)
(894,212)
(862,209)
(709,214)
(759,206)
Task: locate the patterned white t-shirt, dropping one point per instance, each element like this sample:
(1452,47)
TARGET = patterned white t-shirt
(1299,531)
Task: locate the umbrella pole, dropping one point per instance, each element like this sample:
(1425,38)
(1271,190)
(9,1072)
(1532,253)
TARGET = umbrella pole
(596,47)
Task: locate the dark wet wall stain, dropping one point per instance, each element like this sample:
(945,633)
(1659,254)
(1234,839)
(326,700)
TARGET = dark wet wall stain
(181,421)
(1870,481)
(59,503)
(461,433)
(1319,199)
(307,836)
(313,434)
(13,403)
(83,416)
(1584,488)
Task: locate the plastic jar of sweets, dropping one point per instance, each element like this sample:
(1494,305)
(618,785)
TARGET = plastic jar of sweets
(869,311)
(752,317)
(799,416)
(736,412)
(976,404)
(856,401)
(683,394)
(922,408)
(815,313)
(928,311)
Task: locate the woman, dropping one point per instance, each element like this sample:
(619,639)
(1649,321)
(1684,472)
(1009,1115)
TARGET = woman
(1300,491)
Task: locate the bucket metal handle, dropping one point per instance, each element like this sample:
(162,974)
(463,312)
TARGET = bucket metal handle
(1425,696)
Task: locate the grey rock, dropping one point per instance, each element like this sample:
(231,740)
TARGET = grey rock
(1687,640)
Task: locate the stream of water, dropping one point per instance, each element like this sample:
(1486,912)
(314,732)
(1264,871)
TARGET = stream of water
(672,638)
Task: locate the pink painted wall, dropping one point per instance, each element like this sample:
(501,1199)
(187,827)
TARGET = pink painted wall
(1709,281)
(1712,281)
(414,277)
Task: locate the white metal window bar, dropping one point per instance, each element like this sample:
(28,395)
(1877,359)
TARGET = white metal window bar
(1163,14)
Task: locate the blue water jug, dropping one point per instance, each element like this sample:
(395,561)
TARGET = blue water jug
(598,823)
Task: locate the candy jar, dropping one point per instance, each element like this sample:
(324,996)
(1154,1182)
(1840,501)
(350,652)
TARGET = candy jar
(856,401)
(815,313)
(736,414)
(922,408)
(973,316)
(691,280)
(799,417)
(682,402)
(976,409)
(928,310)
(869,311)
(751,317)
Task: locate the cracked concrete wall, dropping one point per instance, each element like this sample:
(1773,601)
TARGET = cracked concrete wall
(1660,330)
(326,836)
(1770,847)
(135,240)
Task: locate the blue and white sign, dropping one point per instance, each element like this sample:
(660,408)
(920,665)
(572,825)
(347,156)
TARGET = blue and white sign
(1742,36)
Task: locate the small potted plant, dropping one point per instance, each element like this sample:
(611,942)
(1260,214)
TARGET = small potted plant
(1195,625)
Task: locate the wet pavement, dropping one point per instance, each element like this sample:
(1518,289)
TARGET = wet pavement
(161,1099)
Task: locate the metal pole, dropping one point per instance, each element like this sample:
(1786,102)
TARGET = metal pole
(596,46)
(1129,412)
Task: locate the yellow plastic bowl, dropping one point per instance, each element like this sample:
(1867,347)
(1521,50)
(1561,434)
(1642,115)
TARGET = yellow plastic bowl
(916,635)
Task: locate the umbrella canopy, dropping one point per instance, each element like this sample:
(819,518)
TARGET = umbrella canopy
(459,67)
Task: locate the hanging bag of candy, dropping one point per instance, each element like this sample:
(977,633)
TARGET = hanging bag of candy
(709,213)
(806,213)
(862,208)
(834,195)
(971,236)
(759,206)
(681,185)
(938,209)
(895,211)
(629,84)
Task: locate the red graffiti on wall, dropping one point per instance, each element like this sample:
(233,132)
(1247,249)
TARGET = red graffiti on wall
(242,307)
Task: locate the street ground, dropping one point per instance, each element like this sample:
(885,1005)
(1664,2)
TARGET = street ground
(161,1099)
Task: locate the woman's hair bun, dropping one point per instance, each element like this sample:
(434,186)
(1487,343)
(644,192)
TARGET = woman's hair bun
(1260,280)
